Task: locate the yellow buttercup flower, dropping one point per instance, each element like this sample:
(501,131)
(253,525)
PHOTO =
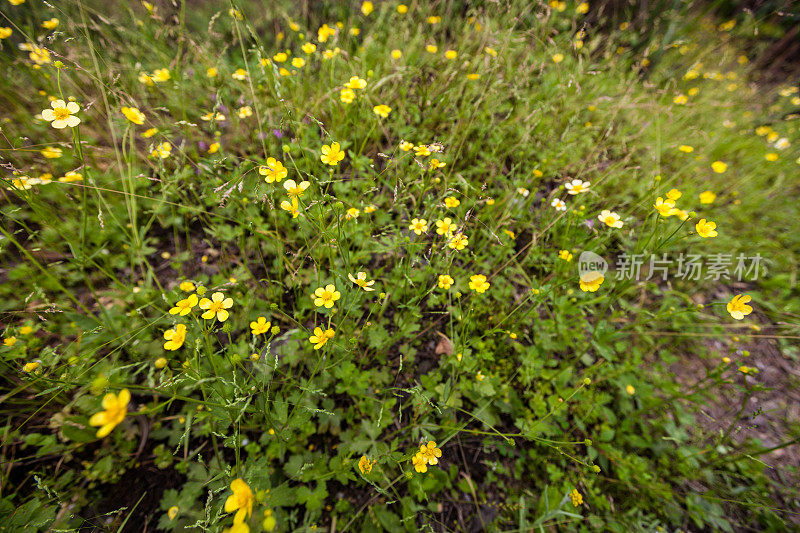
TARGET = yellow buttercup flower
(185,306)
(51,152)
(331,155)
(666,208)
(738,307)
(211,72)
(10,341)
(356,83)
(62,114)
(445,281)
(31,367)
(175,337)
(294,189)
(326,296)
(319,338)
(50,24)
(418,226)
(162,150)
(591,281)
(347,95)
(478,283)
(706,228)
(365,465)
(309,48)
(681,99)
(382,110)
(610,219)
(565,255)
(114,410)
(280,57)
(430,452)
(260,326)
(419,462)
(366,8)
(240,501)
(396,54)
(298,62)
(406,146)
(451,54)
(324,33)
(630,390)
(149,132)
(216,307)
(244,112)
(576,497)
(161,75)
(557,58)
(674,195)
(685,148)
(707,197)
(445,227)
(719,167)
(274,171)
(239,74)
(452,201)
(458,242)
(134,115)
(293,207)
(5,32)
(186,286)
(361,281)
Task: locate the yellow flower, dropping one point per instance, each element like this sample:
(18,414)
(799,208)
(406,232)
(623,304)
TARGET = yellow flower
(576,497)
(478,283)
(681,99)
(685,148)
(217,117)
(293,207)
(402,9)
(430,452)
(433,19)
(748,370)
(452,201)
(70,177)
(213,148)
(432,48)
(309,48)
(260,326)
(31,367)
(239,74)
(558,58)
(458,242)
(172,512)
(5,32)
(479,376)
(294,189)
(473,76)
(326,296)
(610,219)
(240,501)
(591,281)
(352,213)
(577,186)
(347,95)
(719,167)
(134,115)
(772,156)
(396,54)
(146,79)
(331,155)
(565,255)
(175,337)
(420,464)
(216,307)
(491,51)
(162,150)
(707,197)
(324,33)
(674,195)
(356,83)
(445,281)
(738,307)
(450,54)
(435,163)
(666,208)
(114,410)
(706,228)
(382,110)
(274,171)
(62,114)
(25,330)
(361,281)
(280,57)
(269,522)
(582,8)
(245,111)
(319,338)
(161,75)
(298,62)
(184,307)
(186,286)
(406,146)
(50,24)
(630,390)
(445,227)
(418,226)
(211,72)
(51,152)
(149,132)
(422,150)
(366,8)
(365,465)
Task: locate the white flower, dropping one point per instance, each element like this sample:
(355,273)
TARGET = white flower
(577,186)
(61,116)
(612,220)
(782,143)
(558,204)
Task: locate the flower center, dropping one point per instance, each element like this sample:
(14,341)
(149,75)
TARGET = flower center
(61,113)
